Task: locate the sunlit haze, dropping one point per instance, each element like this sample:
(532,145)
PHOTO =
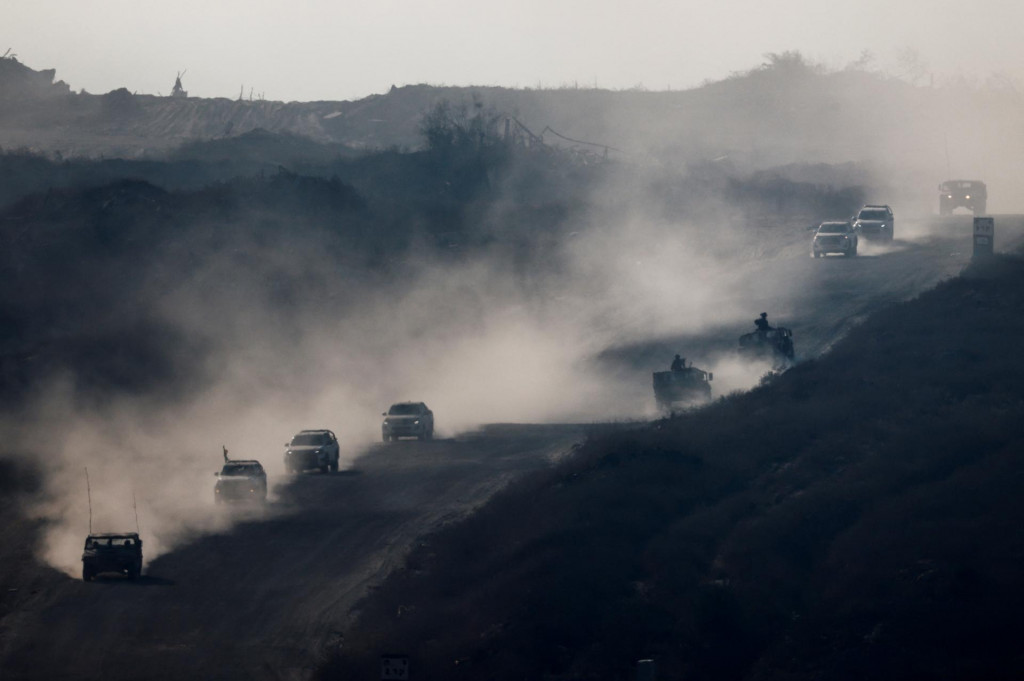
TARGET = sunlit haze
(309,50)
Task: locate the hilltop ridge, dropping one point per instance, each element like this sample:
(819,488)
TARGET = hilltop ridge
(785,111)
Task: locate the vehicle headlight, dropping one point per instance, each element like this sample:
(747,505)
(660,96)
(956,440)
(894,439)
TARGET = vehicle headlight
(416,422)
(386,422)
(968,197)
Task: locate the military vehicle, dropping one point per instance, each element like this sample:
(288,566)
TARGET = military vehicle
(775,344)
(835,237)
(683,387)
(955,194)
(312,449)
(119,553)
(240,480)
(407,419)
(875,222)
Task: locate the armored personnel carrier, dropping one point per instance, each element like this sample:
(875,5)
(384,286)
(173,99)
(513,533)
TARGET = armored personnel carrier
(775,344)
(683,387)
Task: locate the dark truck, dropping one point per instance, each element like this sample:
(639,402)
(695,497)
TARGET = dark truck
(119,553)
(775,344)
(955,194)
(240,480)
(684,387)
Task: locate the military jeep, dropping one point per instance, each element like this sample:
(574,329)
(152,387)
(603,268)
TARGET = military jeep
(119,553)
(775,344)
(686,386)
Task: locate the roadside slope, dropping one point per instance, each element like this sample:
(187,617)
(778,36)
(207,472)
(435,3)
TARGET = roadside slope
(854,517)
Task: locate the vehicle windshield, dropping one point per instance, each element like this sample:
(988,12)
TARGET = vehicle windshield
(404,409)
(873,215)
(833,228)
(240,469)
(310,440)
(107,542)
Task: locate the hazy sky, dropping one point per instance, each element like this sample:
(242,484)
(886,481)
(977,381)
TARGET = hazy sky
(337,49)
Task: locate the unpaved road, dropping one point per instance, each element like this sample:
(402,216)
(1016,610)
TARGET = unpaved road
(265,600)
(262,601)
(821,299)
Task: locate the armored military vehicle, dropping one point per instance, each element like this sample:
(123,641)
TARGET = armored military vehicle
(683,387)
(407,419)
(875,221)
(312,449)
(119,553)
(240,481)
(775,344)
(955,194)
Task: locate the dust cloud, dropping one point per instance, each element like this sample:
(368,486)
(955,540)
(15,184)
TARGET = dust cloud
(477,339)
(480,339)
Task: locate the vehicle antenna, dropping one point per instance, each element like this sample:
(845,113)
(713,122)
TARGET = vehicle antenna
(88,491)
(136,509)
(949,173)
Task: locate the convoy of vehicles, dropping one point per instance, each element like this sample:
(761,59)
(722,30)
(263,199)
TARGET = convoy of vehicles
(970,194)
(875,222)
(407,419)
(835,237)
(118,553)
(246,480)
(311,449)
(243,481)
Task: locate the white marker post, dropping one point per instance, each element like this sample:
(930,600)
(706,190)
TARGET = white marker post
(984,237)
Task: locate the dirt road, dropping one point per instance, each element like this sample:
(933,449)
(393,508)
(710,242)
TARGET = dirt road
(263,601)
(267,599)
(818,299)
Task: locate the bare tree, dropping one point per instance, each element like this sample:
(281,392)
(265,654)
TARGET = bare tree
(448,125)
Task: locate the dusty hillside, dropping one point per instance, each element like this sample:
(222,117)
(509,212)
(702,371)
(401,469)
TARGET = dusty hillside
(853,518)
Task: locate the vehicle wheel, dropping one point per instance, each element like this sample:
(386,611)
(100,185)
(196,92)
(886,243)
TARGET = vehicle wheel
(430,433)
(133,572)
(817,254)
(324,469)
(87,574)
(334,466)
(385,438)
